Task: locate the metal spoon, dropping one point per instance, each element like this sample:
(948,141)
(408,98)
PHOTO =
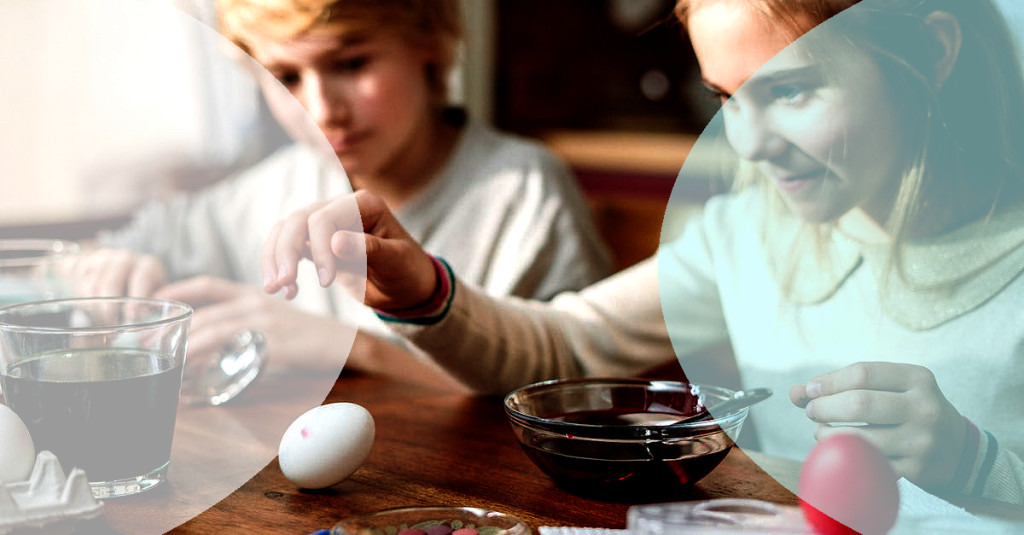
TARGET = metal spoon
(739,400)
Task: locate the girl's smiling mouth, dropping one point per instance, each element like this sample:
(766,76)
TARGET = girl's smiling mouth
(797,183)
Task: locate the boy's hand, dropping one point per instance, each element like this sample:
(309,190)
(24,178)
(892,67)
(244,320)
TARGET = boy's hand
(115,272)
(906,415)
(342,234)
(224,309)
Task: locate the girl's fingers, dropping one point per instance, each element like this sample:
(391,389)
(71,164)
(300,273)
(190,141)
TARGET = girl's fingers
(798,396)
(890,440)
(865,376)
(867,406)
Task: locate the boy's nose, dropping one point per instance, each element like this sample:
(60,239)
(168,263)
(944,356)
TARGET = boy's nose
(753,136)
(325,102)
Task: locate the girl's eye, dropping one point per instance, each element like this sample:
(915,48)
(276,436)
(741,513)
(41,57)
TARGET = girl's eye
(717,96)
(790,94)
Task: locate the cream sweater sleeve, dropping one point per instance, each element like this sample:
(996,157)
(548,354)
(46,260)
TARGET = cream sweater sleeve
(612,328)
(495,345)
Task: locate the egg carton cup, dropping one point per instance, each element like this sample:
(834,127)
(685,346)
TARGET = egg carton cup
(47,502)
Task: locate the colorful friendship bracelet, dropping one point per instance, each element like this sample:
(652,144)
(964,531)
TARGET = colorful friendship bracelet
(435,308)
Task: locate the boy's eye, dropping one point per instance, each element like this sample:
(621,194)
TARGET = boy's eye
(287,79)
(352,64)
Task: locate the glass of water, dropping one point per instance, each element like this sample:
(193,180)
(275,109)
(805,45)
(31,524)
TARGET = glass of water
(97,381)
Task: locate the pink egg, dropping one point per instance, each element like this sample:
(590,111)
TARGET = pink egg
(848,486)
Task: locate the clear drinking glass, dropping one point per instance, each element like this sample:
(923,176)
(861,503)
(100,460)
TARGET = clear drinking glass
(96,381)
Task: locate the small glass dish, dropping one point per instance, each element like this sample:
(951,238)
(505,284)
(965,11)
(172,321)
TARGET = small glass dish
(431,520)
(220,379)
(612,436)
(30,269)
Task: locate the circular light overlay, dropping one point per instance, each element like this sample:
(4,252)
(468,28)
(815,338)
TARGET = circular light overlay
(110,105)
(862,253)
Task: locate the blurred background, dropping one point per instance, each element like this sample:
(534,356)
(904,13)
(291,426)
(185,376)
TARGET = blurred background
(91,126)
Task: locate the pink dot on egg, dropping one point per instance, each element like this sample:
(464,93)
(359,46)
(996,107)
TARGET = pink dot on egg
(305,432)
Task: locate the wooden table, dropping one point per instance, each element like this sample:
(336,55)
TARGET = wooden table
(433,447)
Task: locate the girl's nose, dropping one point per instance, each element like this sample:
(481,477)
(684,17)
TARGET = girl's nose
(751,134)
(324,101)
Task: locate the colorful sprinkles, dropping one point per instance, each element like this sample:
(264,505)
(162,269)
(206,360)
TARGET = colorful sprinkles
(436,527)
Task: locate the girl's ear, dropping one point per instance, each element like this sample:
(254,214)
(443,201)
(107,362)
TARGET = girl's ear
(945,29)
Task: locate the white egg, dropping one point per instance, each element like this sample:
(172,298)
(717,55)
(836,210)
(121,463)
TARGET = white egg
(326,445)
(17,452)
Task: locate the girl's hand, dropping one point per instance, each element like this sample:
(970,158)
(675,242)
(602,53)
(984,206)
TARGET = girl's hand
(334,235)
(114,272)
(905,413)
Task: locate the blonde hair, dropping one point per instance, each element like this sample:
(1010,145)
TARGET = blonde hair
(792,16)
(429,23)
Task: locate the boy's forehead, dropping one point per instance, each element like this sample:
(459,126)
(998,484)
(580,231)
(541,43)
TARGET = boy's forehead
(312,43)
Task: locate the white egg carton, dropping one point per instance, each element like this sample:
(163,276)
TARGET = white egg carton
(47,502)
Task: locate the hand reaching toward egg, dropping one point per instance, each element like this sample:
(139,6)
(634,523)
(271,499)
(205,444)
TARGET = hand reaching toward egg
(906,415)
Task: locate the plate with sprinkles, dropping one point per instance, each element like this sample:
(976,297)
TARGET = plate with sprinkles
(431,521)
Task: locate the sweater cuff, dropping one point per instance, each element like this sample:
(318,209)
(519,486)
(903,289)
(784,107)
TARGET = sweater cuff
(976,463)
(969,459)
(435,308)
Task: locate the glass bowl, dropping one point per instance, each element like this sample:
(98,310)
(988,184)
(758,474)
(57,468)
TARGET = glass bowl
(29,269)
(601,436)
(431,521)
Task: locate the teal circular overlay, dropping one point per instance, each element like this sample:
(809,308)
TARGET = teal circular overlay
(861,255)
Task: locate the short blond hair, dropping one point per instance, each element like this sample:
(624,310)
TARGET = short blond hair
(433,23)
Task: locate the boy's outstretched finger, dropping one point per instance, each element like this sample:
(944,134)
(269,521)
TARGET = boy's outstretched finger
(321,226)
(268,259)
(292,244)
